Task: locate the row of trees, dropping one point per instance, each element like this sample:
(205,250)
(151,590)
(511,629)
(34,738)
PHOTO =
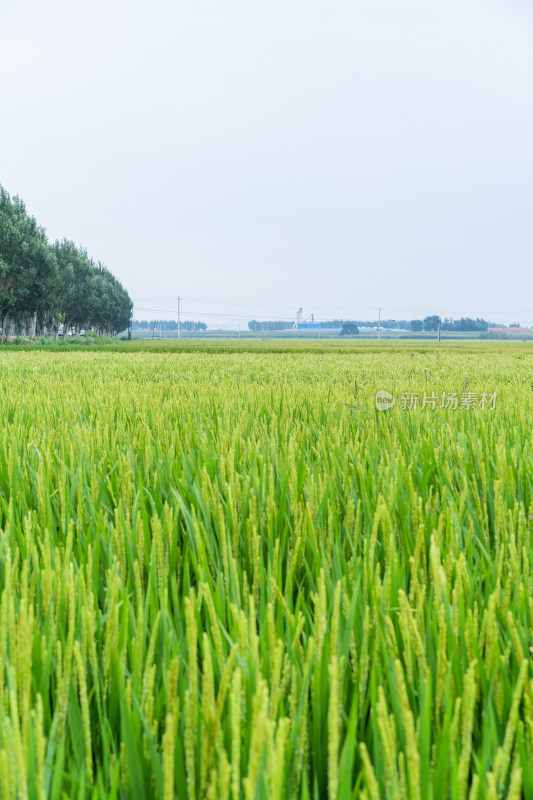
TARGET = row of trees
(269,325)
(430,323)
(464,324)
(167,325)
(283,325)
(45,285)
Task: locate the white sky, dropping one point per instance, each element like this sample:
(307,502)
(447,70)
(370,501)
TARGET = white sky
(284,153)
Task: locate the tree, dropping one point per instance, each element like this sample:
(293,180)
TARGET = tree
(16,234)
(417,325)
(431,323)
(39,279)
(465,324)
(44,285)
(77,299)
(269,325)
(112,307)
(28,267)
(349,329)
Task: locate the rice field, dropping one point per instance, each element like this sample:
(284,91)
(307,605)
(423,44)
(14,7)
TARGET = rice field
(225,575)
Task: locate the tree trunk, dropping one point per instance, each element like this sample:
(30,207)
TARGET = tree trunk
(65,329)
(33,325)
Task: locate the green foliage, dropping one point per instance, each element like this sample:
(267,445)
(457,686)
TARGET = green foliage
(167,325)
(269,325)
(431,323)
(227,577)
(465,324)
(349,329)
(44,285)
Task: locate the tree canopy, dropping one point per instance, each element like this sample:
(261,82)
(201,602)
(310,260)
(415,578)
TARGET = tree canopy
(349,329)
(45,285)
(447,324)
(167,325)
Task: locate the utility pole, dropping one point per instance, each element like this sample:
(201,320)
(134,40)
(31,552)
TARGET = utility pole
(439,329)
(379,325)
(179,320)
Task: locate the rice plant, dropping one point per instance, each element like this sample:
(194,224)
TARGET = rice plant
(226,574)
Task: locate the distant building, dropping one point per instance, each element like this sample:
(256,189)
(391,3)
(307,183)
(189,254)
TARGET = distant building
(505,329)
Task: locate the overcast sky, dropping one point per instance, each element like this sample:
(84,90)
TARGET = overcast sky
(338,156)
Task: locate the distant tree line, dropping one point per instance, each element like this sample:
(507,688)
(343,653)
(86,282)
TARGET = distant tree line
(430,323)
(283,325)
(167,325)
(465,324)
(270,325)
(45,285)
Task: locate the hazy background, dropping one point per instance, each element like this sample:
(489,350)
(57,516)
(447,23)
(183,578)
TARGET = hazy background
(338,156)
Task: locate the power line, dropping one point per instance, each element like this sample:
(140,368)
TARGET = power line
(247,317)
(253,305)
(211,314)
(403,309)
